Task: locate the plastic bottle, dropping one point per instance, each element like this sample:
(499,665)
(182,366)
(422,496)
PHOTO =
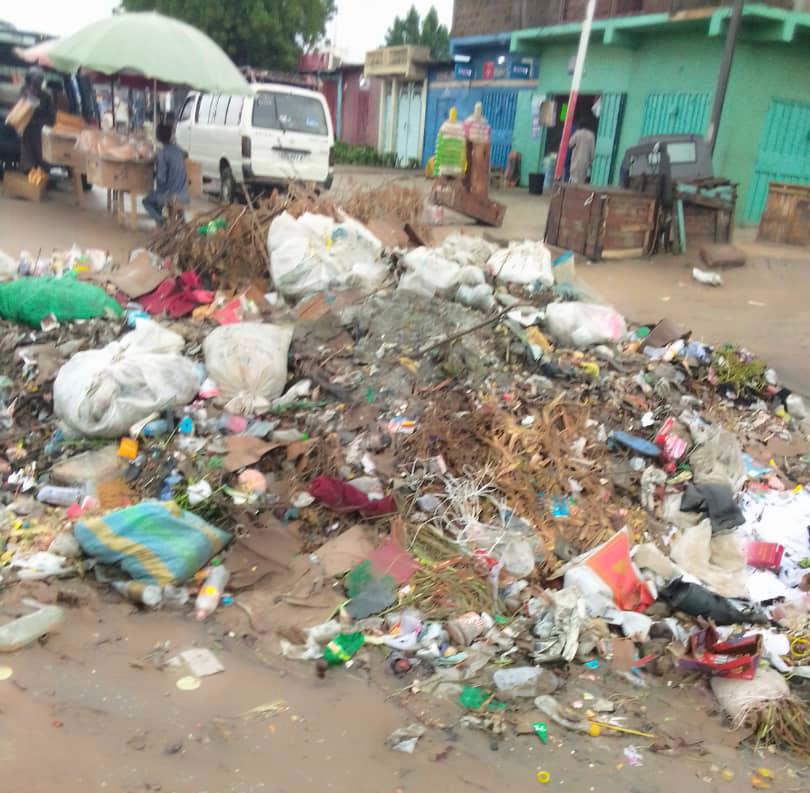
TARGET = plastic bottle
(147,594)
(156,427)
(476,126)
(211,592)
(60,496)
(20,632)
(342,648)
(451,147)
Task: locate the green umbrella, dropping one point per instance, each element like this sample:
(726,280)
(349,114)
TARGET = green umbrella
(153,46)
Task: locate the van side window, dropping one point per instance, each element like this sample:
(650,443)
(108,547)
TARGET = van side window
(221,110)
(264,111)
(234,111)
(188,108)
(203,109)
(213,111)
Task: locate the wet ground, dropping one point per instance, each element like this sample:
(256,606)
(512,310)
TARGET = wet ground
(86,710)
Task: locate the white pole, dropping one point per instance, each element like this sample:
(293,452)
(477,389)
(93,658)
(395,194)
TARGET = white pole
(579,68)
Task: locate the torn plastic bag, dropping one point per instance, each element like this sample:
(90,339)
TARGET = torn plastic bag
(584,324)
(248,362)
(609,570)
(102,393)
(697,601)
(526,262)
(313,253)
(558,626)
(716,499)
(154,542)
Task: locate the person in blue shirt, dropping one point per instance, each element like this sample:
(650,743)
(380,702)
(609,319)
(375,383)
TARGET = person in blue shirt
(171,181)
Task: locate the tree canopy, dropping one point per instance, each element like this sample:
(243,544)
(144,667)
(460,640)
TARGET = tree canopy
(425,32)
(268,34)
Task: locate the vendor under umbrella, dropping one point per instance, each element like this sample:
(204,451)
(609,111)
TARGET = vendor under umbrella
(171,181)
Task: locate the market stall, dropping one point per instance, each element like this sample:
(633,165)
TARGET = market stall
(59,148)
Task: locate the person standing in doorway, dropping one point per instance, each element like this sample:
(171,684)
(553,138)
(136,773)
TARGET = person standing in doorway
(583,145)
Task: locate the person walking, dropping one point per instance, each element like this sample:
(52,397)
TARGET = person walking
(583,146)
(171,181)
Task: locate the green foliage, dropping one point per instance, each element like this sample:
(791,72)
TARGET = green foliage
(346,154)
(268,34)
(426,32)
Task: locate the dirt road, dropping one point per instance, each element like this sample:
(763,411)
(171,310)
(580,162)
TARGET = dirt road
(87,710)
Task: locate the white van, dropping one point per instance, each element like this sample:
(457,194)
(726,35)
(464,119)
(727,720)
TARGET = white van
(280,134)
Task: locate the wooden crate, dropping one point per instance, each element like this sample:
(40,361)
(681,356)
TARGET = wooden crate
(786,218)
(16,185)
(125,177)
(61,150)
(600,223)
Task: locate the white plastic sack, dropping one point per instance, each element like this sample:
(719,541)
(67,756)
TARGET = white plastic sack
(584,324)
(522,263)
(314,253)
(101,393)
(466,250)
(430,271)
(248,362)
(479,296)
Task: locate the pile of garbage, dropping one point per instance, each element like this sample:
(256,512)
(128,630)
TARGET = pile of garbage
(463,469)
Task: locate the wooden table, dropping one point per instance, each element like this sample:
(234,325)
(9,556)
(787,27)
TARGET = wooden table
(119,178)
(59,148)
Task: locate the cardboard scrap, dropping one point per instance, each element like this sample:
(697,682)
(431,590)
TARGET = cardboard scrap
(139,276)
(244,450)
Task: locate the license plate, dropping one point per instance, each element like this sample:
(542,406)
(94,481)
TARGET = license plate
(294,156)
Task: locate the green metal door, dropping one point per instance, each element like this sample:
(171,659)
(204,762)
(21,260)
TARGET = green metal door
(784,153)
(607,138)
(675,114)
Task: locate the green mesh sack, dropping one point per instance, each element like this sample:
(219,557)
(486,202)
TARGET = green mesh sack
(30,300)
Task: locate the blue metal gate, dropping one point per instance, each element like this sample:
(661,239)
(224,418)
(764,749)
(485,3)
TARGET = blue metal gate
(500,108)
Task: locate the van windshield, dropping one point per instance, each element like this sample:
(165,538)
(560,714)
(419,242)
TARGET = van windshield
(290,112)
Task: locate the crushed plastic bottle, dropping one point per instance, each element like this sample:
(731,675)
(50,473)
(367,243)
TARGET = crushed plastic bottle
(211,592)
(146,594)
(21,632)
(60,496)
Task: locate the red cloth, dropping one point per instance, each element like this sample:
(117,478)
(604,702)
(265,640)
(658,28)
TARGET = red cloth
(343,497)
(177,297)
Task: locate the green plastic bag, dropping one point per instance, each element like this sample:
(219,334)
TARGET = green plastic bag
(30,300)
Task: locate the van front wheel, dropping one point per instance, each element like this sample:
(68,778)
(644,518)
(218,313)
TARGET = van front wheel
(227,185)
